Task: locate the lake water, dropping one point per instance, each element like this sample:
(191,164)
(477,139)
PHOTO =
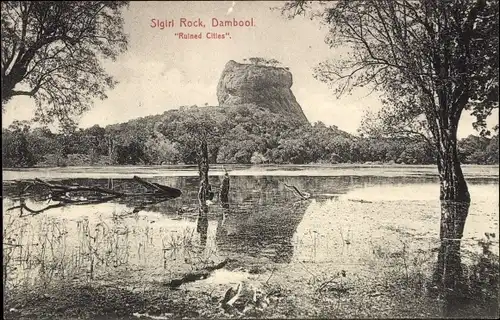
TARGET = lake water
(354,213)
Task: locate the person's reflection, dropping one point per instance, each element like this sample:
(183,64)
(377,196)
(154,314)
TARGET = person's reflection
(221,231)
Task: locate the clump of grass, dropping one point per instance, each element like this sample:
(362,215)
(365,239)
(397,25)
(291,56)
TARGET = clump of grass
(40,250)
(409,272)
(482,278)
(35,251)
(404,268)
(184,246)
(101,246)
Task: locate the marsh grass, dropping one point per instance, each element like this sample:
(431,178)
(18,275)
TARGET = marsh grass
(408,273)
(184,245)
(40,251)
(390,276)
(343,272)
(481,285)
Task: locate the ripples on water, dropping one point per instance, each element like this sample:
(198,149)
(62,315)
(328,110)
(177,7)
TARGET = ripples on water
(348,220)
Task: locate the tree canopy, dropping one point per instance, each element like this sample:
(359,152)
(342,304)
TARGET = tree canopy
(430,59)
(240,134)
(53,51)
(259,61)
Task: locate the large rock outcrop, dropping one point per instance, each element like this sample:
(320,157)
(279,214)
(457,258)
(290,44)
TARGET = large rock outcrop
(264,86)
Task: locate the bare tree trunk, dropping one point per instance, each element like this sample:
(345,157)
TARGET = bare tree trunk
(8,85)
(454,193)
(224,192)
(111,149)
(455,203)
(203,168)
(202,223)
(204,192)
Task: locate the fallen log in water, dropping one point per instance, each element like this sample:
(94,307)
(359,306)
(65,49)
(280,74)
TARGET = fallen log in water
(158,189)
(173,192)
(198,275)
(23,206)
(61,194)
(63,188)
(303,195)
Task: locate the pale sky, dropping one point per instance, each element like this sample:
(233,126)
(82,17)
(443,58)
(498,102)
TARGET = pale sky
(161,72)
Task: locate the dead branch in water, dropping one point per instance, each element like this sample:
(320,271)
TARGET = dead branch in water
(63,188)
(359,200)
(62,203)
(61,194)
(302,195)
(159,189)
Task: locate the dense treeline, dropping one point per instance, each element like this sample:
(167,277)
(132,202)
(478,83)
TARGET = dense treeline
(243,134)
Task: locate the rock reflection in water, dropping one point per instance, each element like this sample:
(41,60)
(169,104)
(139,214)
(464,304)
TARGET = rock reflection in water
(260,228)
(260,231)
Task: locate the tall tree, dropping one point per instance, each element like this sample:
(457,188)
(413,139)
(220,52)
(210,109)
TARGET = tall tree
(52,51)
(431,60)
(196,132)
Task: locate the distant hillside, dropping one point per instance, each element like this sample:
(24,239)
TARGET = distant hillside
(245,133)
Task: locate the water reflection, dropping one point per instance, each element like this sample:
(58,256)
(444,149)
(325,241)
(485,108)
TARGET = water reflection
(261,190)
(259,221)
(448,274)
(264,233)
(202,228)
(260,229)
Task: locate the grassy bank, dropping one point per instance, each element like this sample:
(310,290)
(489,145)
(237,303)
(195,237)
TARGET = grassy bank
(375,293)
(391,283)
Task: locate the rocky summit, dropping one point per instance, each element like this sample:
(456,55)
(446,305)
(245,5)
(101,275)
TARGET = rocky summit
(263,86)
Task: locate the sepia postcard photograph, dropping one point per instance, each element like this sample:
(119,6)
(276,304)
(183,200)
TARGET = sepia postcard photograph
(250,159)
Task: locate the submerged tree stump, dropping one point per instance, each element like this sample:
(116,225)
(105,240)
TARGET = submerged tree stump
(203,167)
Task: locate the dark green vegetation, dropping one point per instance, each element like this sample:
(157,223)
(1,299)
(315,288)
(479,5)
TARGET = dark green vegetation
(242,134)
